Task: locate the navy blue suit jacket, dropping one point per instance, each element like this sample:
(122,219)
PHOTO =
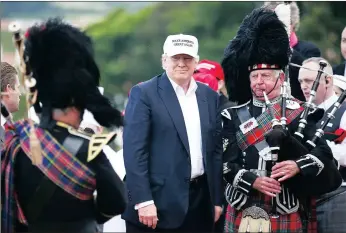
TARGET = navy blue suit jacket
(156,150)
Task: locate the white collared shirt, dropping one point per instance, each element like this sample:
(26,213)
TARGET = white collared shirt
(189,107)
(337,149)
(3,120)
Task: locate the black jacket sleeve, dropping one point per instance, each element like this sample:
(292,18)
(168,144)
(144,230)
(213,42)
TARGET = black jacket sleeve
(111,198)
(318,170)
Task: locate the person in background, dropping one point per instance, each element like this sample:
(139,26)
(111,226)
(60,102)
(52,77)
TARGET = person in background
(257,187)
(298,55)
(207,79)
(341,68)
(214,68)
(325,98)
(211,74)
(10,93)
(339,84)
(50,171)
(305,48)
(172,147)
(331,207)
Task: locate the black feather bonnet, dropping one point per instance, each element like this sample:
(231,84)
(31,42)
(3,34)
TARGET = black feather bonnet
(261,43)
(61,59)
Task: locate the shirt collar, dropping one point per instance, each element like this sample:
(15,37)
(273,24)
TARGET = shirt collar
(3,120)
(261,103)
(328,102)
(179,90)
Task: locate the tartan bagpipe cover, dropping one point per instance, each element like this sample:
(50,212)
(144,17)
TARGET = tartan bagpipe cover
(59,165)
(264,126)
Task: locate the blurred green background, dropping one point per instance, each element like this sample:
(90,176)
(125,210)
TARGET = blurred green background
(129,36)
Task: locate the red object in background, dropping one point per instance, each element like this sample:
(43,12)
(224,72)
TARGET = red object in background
(207,79)
(211,67)
(338,136)
(341,133)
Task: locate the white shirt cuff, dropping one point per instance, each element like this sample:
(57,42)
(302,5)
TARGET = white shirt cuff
(143,204)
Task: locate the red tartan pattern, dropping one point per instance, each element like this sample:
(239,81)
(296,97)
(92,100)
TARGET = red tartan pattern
(10,208)
(284,224)
(312,224)
(60,166)
(264,126)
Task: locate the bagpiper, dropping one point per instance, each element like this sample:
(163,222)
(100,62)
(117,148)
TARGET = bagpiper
(264,178)
(50,171)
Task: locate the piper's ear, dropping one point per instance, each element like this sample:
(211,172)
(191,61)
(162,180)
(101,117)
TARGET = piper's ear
(282,76)
(328,81)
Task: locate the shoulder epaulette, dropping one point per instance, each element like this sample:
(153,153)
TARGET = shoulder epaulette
(234,105)
(97,142)
(231,105)
(226,114)
(239,106)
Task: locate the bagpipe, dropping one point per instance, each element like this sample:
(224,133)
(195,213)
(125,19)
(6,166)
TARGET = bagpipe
(287,145)
(330,115)
(30,89)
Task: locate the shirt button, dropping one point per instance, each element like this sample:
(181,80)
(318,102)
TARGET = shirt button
(244,153)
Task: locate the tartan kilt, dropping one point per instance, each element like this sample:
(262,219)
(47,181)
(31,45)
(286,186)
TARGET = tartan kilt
(284,224)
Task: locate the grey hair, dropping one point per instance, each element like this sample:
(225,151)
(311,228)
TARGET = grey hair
(316,60)
(277,73)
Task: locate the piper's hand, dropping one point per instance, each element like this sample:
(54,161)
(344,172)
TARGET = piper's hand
(267,185)
(148,216)
(285,170)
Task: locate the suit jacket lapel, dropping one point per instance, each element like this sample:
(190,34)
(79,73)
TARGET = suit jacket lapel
(171,102)
(203,115)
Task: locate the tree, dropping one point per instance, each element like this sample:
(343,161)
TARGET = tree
(129,46)
(322,23)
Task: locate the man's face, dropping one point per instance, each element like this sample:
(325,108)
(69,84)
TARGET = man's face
(11,99)
(343,43)
(264,81)
(180,67)
(306,79)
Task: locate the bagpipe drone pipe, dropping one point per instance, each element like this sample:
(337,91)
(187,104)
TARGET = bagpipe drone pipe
(31,90)
(287,144)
